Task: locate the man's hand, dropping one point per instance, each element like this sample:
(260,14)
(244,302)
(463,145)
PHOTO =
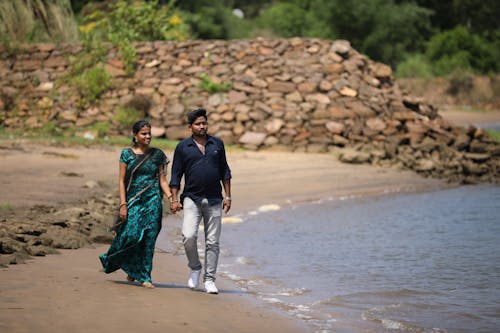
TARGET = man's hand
(226,204)
(175,206)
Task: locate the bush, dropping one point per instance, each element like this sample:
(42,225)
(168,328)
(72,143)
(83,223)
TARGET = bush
(126,116)
(414,66)
(137,21)
(91,84)
(212,87)
(101,128)
(285,19)
(459,49)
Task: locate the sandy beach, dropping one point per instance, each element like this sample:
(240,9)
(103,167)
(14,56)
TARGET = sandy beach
(68,292)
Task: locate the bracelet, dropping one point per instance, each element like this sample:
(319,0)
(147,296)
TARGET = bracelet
(228,198)
(123,204)
(174,201)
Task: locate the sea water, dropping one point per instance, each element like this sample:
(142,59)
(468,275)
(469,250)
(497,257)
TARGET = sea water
(421,262)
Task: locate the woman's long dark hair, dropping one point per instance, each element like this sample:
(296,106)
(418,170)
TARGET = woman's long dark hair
(137,127)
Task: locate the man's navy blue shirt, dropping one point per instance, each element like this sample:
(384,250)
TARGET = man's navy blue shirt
(202,173)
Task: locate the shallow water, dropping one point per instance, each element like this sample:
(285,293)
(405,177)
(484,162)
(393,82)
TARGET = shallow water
(427,262)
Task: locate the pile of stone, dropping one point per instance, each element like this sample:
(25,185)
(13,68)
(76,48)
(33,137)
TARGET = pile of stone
(306,95)
(42,230)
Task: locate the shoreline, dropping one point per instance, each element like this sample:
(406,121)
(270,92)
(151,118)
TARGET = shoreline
(67,291)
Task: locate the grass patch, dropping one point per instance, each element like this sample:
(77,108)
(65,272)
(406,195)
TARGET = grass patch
(5,206)
(212,87)
(75,141)
(494,134)
(58,140)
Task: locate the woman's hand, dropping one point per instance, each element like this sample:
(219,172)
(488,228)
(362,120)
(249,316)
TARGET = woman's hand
(175,206)
(123,212)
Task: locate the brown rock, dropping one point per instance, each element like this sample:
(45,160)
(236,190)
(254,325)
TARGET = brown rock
(252,138)
(340,113)
(176,132)
(376,124)
(283,87)
(307,87)
(335,127)
(274,126)
(382,71)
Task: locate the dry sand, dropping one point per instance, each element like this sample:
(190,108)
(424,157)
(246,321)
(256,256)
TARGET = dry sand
(67,292)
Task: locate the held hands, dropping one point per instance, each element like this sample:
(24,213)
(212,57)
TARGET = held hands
(175,206)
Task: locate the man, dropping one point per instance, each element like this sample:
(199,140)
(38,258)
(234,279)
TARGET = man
(201,159)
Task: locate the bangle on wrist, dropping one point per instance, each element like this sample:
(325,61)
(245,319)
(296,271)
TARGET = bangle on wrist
(123,204)
(228,198)
(174,201)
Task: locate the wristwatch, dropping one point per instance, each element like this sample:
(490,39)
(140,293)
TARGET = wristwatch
(228,198)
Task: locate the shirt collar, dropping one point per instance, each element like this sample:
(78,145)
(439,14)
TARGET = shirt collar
(209,140)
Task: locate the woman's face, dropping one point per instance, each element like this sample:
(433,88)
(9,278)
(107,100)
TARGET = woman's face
(143,137)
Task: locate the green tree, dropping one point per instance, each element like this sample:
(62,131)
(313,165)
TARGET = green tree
(479,16)
(459,49)
(382,29)
(214,19)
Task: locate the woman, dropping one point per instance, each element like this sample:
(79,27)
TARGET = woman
(142,182)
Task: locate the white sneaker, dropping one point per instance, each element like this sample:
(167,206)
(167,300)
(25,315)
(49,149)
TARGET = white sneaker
(194,277)
(210,287)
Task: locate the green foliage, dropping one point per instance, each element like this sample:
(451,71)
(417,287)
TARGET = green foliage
(94,53)
(124,22)
(137,21)
(49,128)
(459,49)
(91,84)
(414,66)
(208,85)
(215,21)
(384,30)
(494,134)
(285,19)
(101,128)
(5,206)
(34,21)
(126,116)
(127,55)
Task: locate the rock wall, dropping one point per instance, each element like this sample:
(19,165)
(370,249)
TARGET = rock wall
(293,94)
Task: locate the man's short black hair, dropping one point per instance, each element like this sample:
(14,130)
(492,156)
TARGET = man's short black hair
(195,114)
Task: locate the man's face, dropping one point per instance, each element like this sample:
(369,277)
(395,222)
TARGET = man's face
(199,126)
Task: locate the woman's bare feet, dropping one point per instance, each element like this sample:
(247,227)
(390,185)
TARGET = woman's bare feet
(148,285)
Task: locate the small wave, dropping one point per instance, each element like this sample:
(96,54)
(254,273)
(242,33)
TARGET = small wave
(364,295)
(272,300)
(392,324)
(291,292)
(245,261)
(377,315)
(232,219)
(269,208)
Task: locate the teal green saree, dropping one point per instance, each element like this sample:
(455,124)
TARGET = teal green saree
(133,246)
